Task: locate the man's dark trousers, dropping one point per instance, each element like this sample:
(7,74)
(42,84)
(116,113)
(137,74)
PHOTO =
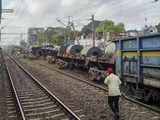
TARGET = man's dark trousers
(113,102)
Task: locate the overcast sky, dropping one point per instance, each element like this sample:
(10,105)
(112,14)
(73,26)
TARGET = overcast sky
(43,13)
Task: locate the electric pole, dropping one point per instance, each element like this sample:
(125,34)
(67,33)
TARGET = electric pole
(0,16)
(0,10)
(67,31)
(69,28)
(4,11)
(21,36)
(64,30)
(93,30)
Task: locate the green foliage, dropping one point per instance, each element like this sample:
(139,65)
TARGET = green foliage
(58,37)
(23,44)
(119,28)
(88,28)
(109,26)
(42,37)
(52,36)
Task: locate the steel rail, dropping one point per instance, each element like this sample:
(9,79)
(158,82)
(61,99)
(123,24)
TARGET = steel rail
(74,77)
(20,108)
(68,110)
(103,88)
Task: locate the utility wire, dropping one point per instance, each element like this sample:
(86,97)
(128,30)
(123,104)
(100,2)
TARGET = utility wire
(17,12)
(8,16)
(116,5)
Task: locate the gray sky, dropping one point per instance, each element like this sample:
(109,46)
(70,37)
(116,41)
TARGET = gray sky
(43,13)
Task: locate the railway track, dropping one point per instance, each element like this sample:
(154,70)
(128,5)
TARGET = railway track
(103,88)
(33,100)
(7,101)
(132,110)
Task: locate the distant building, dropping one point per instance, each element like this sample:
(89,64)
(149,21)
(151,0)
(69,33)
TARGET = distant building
(150,30)
(50,29)
(132,33)
(158,27)
(33,35)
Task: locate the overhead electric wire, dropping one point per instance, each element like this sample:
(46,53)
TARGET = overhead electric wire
(114,5)
(18,14)
(15,13)
(123,5)
(21,13)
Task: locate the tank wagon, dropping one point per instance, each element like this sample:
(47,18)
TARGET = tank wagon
(138,65)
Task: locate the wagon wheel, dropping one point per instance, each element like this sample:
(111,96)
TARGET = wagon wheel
(90,75)
(50,61)
(71,66)
(54,59)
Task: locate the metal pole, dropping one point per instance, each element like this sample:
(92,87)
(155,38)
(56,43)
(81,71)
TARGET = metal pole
(0,35)
(69,28)
(65,35)
(0,16)
(21,36)
(93,31)
(0,10)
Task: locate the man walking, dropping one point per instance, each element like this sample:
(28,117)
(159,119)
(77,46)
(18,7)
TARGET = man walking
(113,83)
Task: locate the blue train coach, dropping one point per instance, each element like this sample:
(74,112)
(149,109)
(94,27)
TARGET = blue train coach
(138,65)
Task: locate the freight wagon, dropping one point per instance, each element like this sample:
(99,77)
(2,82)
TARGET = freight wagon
(136,60)
(93,59)
(138,65)
(86,58)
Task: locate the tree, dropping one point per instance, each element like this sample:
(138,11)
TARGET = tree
(88,28)
(23,44)
(109,26)
(60,35)
(49,32)
(105,26)
(52,36)
(42,38)
(119,28)
(58,38)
